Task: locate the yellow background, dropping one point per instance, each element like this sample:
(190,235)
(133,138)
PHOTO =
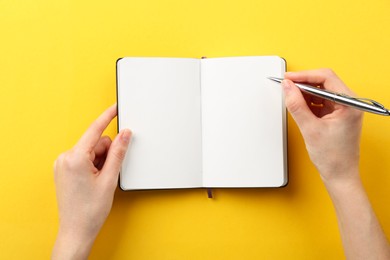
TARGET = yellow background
(57,74)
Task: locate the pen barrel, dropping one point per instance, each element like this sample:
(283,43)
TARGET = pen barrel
(343,100)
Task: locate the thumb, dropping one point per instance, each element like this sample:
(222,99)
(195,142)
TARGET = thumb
(296,104)
(116,155)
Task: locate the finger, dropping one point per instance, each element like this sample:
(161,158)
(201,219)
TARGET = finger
(99,162)
(100,152)
(296,105)
(316,104)
(329,107)
(314,77)
(325,78)
(116,155)
(91,137)
(306,76)
(102,146)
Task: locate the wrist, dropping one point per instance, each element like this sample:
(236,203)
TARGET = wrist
(343,183)
(340,173)
(72,244)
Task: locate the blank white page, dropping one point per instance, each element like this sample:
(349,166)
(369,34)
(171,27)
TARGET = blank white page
(159,100)
(243,122)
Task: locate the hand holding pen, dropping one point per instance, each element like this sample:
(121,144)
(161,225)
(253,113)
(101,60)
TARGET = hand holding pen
(364,104)
(331,131)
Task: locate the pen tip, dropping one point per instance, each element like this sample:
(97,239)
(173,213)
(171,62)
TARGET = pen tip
(278,80)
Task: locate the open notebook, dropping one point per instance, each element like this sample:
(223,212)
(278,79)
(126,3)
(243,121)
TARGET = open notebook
(215,122)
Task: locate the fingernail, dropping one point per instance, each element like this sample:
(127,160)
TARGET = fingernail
(126,135)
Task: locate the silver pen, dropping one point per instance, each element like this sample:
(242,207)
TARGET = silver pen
(364,104)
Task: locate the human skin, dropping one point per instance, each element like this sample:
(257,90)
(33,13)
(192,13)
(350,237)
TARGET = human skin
(86,178)
(332,137)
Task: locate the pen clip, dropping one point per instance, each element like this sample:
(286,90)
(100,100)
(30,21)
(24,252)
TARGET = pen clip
(372,102)
(366,100)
